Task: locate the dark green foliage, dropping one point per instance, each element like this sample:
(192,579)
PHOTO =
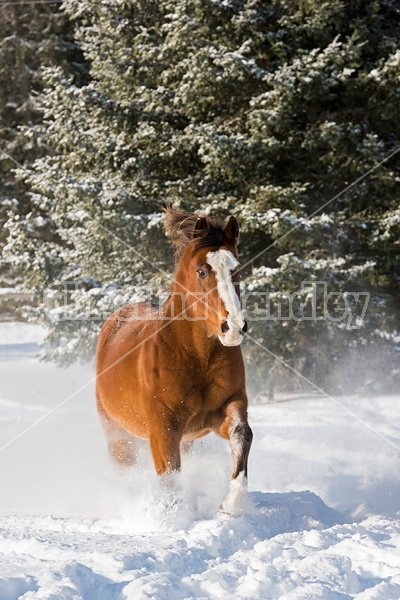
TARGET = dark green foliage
(267,110)
(32,35)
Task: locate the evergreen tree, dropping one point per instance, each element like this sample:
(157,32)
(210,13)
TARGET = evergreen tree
(264,110)
(31,35)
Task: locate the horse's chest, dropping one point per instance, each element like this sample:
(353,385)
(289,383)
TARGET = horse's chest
(202,389)
(216,389)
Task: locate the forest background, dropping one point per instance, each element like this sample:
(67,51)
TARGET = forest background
(284,113)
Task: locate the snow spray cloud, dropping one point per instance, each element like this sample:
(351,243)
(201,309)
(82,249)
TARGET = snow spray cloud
(313,302)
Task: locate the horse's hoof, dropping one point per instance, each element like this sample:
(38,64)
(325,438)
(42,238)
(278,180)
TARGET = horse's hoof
(232,504)
(169,504)
(230,511)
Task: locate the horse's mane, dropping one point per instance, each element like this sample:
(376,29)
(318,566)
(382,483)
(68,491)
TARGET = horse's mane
(181,229)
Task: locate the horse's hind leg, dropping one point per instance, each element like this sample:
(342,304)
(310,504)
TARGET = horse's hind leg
(122,450)
(121,444)
(187,447)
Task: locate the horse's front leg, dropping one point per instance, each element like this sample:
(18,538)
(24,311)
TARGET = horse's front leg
(165,440)
(236,428)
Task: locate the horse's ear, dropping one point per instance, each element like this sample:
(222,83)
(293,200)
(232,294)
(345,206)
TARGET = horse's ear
(231,230)
(200,226)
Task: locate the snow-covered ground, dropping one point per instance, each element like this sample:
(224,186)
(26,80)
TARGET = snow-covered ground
(322,519)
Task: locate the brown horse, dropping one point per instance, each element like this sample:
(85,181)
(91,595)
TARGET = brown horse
(175,372)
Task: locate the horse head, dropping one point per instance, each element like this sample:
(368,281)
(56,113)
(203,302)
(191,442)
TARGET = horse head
(208,272)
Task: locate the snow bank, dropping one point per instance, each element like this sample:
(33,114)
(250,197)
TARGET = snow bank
(73,527)
(271,552)
(20,339)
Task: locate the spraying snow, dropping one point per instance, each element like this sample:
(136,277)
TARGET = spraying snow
(71,526)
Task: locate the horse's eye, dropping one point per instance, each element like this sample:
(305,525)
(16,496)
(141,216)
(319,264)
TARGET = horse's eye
(201,273)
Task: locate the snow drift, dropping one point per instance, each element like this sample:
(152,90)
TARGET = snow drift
(73,527)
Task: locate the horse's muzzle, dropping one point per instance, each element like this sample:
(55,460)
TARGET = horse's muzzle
(225,327)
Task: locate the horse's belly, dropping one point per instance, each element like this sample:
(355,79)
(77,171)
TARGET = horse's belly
(189,436)
(200,424)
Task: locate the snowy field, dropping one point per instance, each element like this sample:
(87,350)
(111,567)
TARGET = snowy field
(322,518)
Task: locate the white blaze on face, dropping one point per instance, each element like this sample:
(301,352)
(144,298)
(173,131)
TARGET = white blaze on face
(223,263)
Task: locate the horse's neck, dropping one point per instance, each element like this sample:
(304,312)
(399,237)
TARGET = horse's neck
(189,334)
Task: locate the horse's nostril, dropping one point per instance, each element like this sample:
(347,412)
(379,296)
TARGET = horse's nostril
(244,328)
(225,327)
